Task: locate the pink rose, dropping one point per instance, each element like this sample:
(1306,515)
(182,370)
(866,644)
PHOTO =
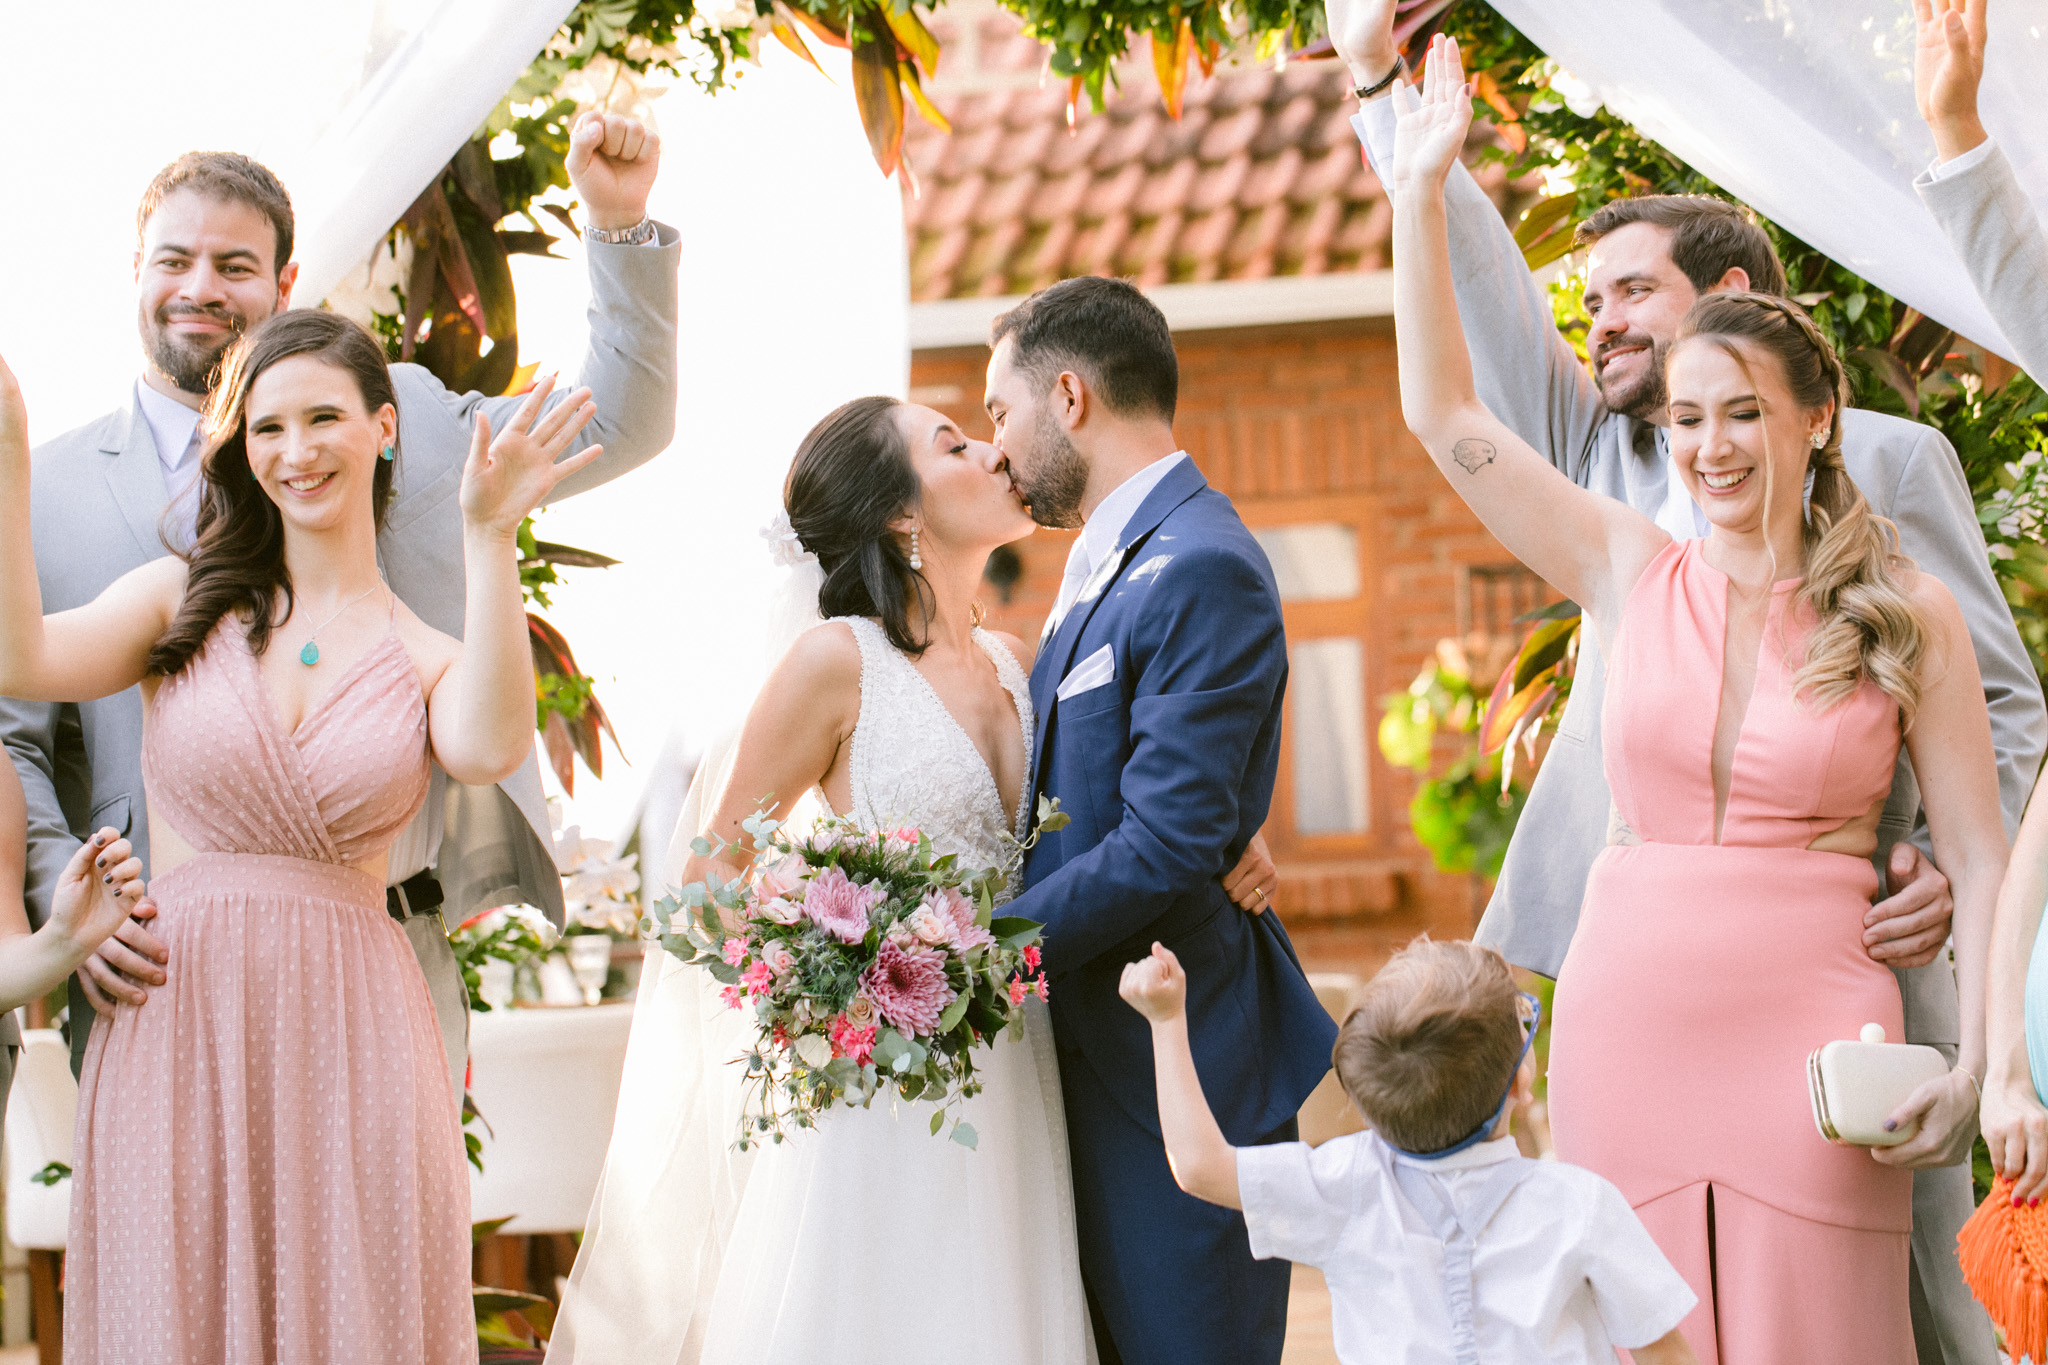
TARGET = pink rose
(840,906)
(860,1010)
(901,935)
(930,926)
(779,958)
(778,879)
(777,910)
(909,987)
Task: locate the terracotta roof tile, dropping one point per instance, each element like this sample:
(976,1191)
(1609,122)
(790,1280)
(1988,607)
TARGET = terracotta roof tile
(1262,174)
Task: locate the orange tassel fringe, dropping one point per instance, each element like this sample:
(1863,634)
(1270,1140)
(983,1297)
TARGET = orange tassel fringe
(2004,1256)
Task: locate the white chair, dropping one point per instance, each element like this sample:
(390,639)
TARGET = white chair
(41,1110)
(547,1083)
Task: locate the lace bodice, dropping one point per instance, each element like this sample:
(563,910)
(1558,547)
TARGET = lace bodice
(912,764)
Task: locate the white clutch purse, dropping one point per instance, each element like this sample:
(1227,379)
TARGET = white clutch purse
(1855,1086)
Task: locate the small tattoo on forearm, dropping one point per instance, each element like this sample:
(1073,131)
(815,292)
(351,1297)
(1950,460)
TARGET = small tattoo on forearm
(1472,455)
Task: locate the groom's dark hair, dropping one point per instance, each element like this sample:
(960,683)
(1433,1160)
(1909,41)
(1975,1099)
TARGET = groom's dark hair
(1103,330)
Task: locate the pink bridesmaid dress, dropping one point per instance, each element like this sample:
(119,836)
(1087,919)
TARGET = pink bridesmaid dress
(1705,969)
(268,1168)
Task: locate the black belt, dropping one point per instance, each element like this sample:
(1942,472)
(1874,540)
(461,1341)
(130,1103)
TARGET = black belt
(418,894)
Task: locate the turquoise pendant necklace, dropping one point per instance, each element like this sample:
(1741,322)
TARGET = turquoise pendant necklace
(310,653)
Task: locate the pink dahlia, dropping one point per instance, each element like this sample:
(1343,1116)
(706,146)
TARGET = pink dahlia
(908,986)
(840,906)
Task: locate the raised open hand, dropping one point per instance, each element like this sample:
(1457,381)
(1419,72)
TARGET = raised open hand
(507,477)
(612,160)
(1362,31)
(1432,127)
(1948,66)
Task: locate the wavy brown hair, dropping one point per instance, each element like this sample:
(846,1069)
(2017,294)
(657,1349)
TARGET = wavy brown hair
(236,562)
(1869,626)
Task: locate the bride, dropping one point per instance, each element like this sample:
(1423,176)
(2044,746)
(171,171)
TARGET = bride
(866,1238)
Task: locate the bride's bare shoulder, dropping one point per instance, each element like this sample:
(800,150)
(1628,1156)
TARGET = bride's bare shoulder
(823,660)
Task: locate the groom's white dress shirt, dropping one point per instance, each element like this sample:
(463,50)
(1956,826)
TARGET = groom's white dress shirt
(175,429)
(1103,532)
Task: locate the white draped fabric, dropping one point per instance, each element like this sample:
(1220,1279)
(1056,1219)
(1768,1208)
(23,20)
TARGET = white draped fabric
(1804,108)
(354,103)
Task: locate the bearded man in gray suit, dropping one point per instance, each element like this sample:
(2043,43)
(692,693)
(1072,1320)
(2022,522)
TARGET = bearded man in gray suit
(1651,258)
(213,259)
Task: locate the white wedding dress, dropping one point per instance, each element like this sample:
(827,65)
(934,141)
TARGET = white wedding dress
(866,1239)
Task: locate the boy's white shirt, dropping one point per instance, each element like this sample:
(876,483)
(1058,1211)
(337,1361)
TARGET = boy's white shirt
(1564,1272)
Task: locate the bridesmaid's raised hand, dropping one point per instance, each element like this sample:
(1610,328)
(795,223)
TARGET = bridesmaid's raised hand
(508,476)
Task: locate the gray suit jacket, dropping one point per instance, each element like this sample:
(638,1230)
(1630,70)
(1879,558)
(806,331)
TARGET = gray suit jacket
(1998,236)
(97,498)
(1531,379)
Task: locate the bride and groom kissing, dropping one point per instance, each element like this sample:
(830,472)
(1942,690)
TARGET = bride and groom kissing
(1150,708)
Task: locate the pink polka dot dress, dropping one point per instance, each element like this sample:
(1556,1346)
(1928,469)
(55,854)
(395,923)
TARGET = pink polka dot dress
(268,1168)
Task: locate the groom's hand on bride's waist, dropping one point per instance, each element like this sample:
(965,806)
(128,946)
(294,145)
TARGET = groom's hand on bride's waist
(1909,927)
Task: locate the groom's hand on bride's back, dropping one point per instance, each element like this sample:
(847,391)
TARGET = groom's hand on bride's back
(1252,883)
(1909,927)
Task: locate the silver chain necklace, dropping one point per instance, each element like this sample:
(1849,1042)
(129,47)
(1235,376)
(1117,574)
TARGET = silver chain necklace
(310,653)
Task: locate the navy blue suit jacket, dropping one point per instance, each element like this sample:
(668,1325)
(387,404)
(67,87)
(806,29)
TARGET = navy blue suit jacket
(1167,772)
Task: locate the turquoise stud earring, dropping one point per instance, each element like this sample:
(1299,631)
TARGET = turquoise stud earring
(390,452)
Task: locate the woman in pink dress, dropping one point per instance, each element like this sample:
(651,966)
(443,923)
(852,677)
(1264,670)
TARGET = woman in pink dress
(1759,683)
(268,1168)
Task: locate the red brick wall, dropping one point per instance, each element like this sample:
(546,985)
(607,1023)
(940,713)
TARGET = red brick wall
(1275,416)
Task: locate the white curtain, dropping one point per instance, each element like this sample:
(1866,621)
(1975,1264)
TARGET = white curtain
(354,103)
(1804,108)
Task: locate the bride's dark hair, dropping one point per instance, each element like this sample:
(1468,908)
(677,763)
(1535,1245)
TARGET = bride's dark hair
(852,476)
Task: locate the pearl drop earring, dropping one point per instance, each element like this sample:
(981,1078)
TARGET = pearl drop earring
(916,559)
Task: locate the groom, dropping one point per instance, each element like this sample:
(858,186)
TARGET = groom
(1157,688)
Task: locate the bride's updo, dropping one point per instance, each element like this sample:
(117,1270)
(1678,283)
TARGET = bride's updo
(852,476)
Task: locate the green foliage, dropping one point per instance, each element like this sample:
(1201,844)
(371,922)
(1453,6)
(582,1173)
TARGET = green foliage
(517,934)
(1464,814)
(52,1173)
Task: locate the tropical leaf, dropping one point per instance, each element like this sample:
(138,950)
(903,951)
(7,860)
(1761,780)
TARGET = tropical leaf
(569,557)
(1894,372)
(1566,610)
(1544,647)
(915,86)
(787,35)
(915,39)
(827,31)
(1508,122)
(1501,718)
(1170,62)
(878,90)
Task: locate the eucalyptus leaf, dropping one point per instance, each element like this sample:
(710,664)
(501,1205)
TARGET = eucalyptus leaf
(938,1121)
(955,1012)
(964,1134)
(701,846)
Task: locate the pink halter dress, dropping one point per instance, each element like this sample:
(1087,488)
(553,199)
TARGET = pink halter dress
(1704,972)
(268,1168)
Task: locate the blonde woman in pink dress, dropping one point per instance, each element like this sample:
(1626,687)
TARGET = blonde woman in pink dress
(268,1168)
(1759,684)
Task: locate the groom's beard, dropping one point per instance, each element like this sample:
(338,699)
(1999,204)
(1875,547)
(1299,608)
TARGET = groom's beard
(1058,477)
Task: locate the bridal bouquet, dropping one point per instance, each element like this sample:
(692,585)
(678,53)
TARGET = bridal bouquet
(870,964)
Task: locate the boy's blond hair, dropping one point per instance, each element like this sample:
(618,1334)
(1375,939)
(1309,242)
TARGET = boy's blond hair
(1434,1041)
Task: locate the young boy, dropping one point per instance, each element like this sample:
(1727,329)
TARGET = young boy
(1439,1240)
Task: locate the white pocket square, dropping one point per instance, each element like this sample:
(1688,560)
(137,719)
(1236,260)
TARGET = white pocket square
(1092,672)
